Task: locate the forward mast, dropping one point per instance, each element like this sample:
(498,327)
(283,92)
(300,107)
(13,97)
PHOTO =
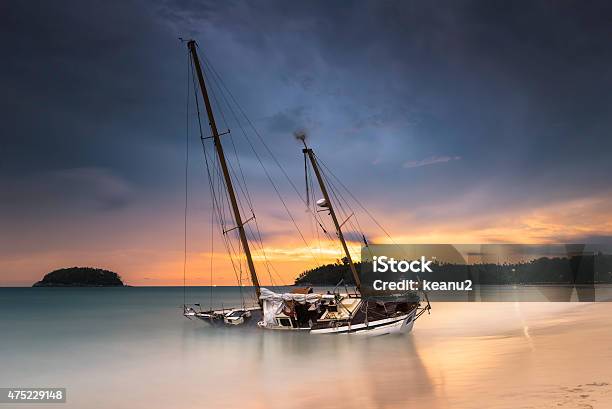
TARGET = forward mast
(329,206)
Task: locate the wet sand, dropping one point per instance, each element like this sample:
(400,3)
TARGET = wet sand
(519,355)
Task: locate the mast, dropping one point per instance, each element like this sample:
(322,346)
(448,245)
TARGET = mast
(315,166)
(191,45)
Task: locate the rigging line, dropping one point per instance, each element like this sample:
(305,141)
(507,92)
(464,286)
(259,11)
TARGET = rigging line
(229,246)
(214,84)
(357,201)
(269,177)
(254,233)
(314,211)
(227,243)
(237,254)
(279,283)
(278,276)
(216,208)
(224,210)
(318,240)
(266,263)
(351,212)
(341,211)
(347,215)
(357,225)
(234,254)
(262,165)
(186,188)
(311,222)
(212,188)
(258,241)
(354,221)
(237,271)
(256,132)
(225,197)
(233,172)
(311,195)
(374,220)
(245,194)
(221,204)
(338,198)
(220,80)
(311,200)
(218,212)
(210,179)
(306,177)
(212,254)
(340,208)
(257,233)
(245,135)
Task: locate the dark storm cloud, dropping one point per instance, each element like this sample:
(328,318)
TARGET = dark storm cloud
(88,188)
(286,122)
(84,84)
(518,90)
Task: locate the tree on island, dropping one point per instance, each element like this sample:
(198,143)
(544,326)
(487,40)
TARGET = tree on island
(80,277)
(329,274)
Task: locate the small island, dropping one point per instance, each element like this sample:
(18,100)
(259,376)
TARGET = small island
(80,277)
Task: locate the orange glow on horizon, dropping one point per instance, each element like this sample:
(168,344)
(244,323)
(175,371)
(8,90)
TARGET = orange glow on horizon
(145,259)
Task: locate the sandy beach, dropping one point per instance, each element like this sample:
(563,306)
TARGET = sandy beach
(511,355)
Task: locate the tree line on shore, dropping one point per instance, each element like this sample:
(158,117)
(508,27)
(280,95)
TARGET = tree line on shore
(581,269)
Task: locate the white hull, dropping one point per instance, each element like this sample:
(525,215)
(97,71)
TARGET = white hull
(338,314)
(396,325)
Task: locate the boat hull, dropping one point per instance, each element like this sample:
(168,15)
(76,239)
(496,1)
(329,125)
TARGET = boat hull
(395,325)
(362,323)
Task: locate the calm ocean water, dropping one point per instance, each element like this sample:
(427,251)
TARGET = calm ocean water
(131,348)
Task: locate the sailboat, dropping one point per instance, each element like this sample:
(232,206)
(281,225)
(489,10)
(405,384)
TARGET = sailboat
(302,309)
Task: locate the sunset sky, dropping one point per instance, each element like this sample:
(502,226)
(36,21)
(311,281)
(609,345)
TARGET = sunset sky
(452,122)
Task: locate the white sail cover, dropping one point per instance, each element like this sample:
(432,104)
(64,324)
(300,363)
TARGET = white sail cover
(301,298)
(273,303)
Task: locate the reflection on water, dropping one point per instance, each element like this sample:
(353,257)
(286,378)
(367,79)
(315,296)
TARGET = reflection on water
(131,348)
